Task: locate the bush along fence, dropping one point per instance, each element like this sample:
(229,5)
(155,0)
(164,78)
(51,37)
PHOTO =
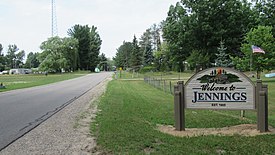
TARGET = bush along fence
(167,85)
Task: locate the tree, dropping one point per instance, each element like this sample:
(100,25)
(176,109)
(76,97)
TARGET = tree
(177,32)
(200,25)
(266,13)
(261,37)
(223,59)
(58,54)
(89,46)
(19,57)
(14,59)
(103,63)
(32,60)
(2,59)
(197,60)
(95,45)
(136,55)
(155,32)
(123,55)
(163,60)
(146,47)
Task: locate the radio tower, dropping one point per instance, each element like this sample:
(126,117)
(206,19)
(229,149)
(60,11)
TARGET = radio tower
(54,20)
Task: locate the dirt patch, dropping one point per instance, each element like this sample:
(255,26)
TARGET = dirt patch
(243,130)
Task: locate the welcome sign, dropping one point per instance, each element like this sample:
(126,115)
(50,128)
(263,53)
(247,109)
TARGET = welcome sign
(219,88)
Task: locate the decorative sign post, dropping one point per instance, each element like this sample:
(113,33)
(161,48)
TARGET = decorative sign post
(221,89)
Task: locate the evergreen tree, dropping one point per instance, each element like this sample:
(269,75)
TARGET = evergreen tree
(89,46)
(146,47)
(223,59)
(136,55)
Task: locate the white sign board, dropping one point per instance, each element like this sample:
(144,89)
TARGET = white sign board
(219,88)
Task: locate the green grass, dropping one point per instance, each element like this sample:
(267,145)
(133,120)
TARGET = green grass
(131,110)
(271,102)
(13,82)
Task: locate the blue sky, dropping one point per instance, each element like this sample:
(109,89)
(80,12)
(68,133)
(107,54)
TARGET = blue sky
(27,23)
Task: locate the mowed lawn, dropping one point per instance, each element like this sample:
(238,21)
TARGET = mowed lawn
(131,110)
(30,80)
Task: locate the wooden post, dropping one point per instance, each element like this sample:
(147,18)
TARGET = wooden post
(262,120)
(178,109)
(265,89)
(182,104)
(242,113)
(262,106)
(257,97)
(179,106)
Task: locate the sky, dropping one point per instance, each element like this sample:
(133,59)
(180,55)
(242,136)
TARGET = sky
(27,23)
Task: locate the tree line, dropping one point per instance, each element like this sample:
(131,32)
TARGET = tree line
(199,34)
(79,51)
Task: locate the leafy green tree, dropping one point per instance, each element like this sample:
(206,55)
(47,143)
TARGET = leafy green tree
(19,57)
(266,13)
(123,55)
(69,48)
(163,60)
(263,38)
(200,25)
(58,54)
(223,59)
(32,60)
(14,57)
(197,60)
(177,32)
(89,46)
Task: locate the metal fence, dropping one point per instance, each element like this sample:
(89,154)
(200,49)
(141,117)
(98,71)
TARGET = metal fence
(167,85)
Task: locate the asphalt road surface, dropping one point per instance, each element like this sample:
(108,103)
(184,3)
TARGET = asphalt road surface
(22,110)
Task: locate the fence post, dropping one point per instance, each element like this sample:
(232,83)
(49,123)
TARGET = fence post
(265,88)
(164,86)
(257,96)
(170,87)
(182,104)
(178,109)
(262,106)
(179,106)
(262,120)
(159,84)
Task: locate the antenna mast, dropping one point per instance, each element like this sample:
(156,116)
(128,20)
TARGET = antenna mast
(54,20)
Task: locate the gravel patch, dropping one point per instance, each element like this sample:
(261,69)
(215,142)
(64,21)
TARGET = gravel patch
(247,130)
(67,132)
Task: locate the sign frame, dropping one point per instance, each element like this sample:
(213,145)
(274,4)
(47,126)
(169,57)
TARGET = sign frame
(222,83)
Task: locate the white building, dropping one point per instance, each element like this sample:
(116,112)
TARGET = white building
(20,71)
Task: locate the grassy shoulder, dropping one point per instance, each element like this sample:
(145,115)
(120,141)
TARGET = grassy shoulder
(131,111)
(13,82)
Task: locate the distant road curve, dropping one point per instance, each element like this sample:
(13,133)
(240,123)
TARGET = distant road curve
(24,109)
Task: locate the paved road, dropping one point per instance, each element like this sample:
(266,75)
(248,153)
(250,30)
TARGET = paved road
(22,110)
